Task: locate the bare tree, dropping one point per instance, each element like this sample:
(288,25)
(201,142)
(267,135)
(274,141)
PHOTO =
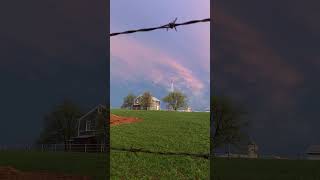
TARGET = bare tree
(228,122)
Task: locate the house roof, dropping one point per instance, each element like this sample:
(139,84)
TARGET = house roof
(153,98)
(313,149)
(92,111)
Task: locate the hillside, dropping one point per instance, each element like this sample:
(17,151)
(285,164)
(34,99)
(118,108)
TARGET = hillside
(163,131)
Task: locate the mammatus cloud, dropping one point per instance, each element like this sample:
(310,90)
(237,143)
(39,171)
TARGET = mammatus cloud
(136,61)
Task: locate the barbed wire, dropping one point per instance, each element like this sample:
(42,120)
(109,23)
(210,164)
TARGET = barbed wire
(140,150)
(97,148)
(171,25)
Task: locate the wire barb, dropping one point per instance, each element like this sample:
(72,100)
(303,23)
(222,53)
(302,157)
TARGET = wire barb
(171,25)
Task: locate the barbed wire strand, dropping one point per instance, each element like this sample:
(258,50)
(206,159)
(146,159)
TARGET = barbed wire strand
(171,25)
(136,150)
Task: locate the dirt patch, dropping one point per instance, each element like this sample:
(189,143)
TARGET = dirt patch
(9,173)
(117,120)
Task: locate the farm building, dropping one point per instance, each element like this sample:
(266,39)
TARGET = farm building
(252,150)
(88,125)
(155,103)
(187,109)
(313,152)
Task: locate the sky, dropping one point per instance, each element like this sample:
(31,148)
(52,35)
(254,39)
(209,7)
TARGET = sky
(266,57)
(49,51)
(149,61)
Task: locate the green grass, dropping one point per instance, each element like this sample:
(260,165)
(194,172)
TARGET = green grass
(161,131)
(150,166)
(89,164)
(268,169)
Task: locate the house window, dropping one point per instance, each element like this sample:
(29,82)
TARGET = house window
(89,126)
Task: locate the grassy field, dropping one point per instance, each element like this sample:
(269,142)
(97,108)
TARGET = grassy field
(246,169)
(89,164)
(167,132)
(161,131)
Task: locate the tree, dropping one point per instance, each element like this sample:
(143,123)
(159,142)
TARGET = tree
(128,101)
(176,100)
(146,100)
(61,124)
(229,122)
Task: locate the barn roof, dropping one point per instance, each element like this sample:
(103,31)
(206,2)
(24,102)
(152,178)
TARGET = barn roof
(313,149)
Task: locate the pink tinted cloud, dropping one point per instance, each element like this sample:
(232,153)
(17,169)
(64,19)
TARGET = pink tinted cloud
(202,39)
(198,35)
(148,63)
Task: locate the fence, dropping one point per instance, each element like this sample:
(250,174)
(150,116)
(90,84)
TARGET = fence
(95,148)
(171,25)
(261,156)
(100,148)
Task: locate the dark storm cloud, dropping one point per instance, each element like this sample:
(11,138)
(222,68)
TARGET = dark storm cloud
(256,61)
(265,56)
(49,50)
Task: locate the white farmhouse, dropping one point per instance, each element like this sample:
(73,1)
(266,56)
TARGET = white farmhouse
(154,105)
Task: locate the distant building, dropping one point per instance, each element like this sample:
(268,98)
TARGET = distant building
(187,109)
(313,152)
(252,150)
(155,103)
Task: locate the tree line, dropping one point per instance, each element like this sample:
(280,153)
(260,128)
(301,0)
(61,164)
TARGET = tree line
(174,100)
